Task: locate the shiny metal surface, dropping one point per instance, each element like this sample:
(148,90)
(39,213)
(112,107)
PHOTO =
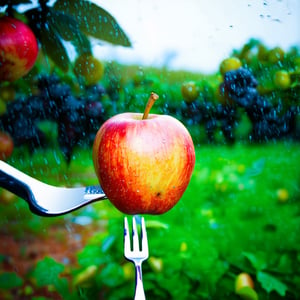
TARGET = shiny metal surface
(45,199)
(136,255)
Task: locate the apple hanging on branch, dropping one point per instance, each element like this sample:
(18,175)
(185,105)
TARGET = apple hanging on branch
(144,162)
(18,49)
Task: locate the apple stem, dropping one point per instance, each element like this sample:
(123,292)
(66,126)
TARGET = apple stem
(153,97)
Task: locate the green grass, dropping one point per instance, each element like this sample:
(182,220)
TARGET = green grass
(228,221)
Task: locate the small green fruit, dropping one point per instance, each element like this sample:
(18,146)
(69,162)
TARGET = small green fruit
(243,280)
(229,64)
(275,55)
(90,68)
(282,80)
(189,91)
(156,264)
(282,195)
(128,271)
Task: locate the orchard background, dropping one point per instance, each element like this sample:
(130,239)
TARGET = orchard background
(240,213)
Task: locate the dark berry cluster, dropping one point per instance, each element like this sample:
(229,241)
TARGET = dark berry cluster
(239,88)
(77,118)
(268,121)
(211,116)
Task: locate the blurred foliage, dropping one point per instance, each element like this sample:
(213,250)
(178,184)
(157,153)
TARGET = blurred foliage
(72,21)
(230,220)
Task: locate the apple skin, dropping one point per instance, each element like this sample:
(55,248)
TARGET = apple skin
(18,49)
(6,146)
(143,166)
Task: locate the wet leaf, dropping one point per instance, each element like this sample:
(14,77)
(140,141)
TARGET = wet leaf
(9,280)
(53,47)
(270,283)
(257,260)
(68,29)
(49,37)
(94,21)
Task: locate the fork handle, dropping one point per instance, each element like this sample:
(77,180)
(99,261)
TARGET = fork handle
(13,180)
(139,287)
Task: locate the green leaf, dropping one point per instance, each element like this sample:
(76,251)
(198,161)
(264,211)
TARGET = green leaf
(91,255)
(67,27)
(17,2)
(112,275)
(257,260)
(47,271)
(270,283)
(9,280)
(94,21)
(53,47)
(247,293)
(49,37)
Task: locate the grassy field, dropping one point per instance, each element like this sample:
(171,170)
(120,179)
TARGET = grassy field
(240,213)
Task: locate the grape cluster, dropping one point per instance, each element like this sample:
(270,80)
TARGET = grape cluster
(211,116)
(77,118)
(268,121)
(239,89)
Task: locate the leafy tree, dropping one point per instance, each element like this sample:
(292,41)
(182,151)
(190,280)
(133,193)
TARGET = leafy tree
(73,21)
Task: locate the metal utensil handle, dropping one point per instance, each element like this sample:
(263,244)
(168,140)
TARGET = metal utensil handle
(139,287)
(14,181)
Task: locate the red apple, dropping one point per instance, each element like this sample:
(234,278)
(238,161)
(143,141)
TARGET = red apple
(143,163)
(18,49)
(6,146)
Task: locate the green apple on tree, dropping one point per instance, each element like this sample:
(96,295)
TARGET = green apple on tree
(189,91)
(282,79)
(89,67)
(229,64)
(144,162)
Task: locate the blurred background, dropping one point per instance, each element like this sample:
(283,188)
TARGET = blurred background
(197,35)
(229,71)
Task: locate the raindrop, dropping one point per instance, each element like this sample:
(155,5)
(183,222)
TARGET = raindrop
(57,159)
(82,220)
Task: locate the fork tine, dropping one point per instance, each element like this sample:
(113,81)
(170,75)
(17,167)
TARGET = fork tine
(144,238)
(135,235)
(126,237)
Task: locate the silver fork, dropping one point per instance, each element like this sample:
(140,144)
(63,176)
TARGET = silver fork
(136,255)
(45,199)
